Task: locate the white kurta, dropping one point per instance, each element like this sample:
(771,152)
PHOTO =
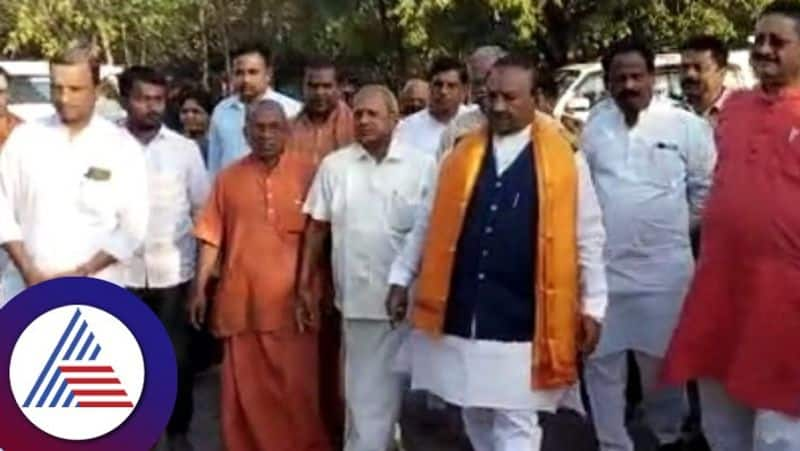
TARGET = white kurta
(371,207)
(423,132)
(455,368)
(652,181)
(178,186)
(68,198)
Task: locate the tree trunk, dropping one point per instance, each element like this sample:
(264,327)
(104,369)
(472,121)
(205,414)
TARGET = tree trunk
(204,44)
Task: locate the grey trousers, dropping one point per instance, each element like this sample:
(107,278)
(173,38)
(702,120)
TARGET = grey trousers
(606,378)
(730,426)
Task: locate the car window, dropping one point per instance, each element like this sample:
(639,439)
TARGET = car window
(26,89)
(592,88)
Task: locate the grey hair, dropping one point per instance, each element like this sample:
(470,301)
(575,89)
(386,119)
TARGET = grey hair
(383,91)
(494,52)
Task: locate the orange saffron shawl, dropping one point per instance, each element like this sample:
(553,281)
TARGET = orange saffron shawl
(556,300)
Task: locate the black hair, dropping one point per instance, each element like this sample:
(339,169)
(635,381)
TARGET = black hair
(446,64)
(254,48)
(142,74)
(546,83)
(708,43)
(4,74)
(199,95)
(322,63)
(523,62)
(629,45)
(788,8)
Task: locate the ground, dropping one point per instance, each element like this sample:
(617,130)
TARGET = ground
(563,432)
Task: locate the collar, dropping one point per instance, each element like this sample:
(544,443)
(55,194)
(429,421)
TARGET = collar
(303,116)
(54,121)
(718,103)
(236,101)
(517,139)
(395,152)
(791,93)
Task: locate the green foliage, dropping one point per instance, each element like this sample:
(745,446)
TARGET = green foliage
(391,37)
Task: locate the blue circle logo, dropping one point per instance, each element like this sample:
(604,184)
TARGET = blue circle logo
(90,367)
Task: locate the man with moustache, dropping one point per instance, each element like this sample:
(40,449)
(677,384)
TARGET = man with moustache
(253,72)
(160,271)
(365,197)
(740,326)
(479,64)
(253,224)
(73,187)
(651,163)
(448,84)
(324,125)
(704,65)
(511,286)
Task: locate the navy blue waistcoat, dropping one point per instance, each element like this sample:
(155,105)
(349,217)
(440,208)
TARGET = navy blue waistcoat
(492,287)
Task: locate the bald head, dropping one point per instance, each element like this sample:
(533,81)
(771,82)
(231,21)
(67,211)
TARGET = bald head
(375,112)
(265,106)
(480,62)
(414,96)
(266,129)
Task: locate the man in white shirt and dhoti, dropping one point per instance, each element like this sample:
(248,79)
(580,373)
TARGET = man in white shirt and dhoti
(73,187)
(512,283)
(366,197)
(651,163)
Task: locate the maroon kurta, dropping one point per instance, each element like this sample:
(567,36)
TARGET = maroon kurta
(741,321)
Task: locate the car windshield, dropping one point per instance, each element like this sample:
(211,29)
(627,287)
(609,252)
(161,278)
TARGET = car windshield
(565,78)
(29,89)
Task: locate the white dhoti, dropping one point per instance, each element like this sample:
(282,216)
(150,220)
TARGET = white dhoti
(730,426)
(373,389)
(664,408)
(490,381)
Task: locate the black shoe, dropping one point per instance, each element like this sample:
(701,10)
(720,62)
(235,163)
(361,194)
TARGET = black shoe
(677,446)
(179,442)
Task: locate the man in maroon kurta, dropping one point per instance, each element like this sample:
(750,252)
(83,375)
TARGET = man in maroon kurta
(740,327)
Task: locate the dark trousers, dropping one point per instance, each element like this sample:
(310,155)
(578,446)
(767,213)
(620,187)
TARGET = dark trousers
(169,304)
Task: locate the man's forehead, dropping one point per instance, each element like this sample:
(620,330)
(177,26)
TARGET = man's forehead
(447,75)
(778,24)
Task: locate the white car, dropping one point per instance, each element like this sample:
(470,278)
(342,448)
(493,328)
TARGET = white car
(581,86)
(29,87)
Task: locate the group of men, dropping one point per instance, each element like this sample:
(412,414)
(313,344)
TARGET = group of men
(474,250)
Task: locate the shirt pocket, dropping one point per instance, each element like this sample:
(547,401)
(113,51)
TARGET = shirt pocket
(401,210)
(660,163)
(96,196)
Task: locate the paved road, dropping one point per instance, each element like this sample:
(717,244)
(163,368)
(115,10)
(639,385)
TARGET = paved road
(428,432)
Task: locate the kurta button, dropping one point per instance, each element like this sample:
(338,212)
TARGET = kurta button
(485,253)
(489,230)
(481,276)
(498,184)
(493,207)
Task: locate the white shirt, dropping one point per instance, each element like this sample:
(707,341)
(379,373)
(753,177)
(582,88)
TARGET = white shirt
(178,187)
(371,207)
(423,132)
(454,368)
(226,141)
(652,180)
(591,234)
(68,198)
